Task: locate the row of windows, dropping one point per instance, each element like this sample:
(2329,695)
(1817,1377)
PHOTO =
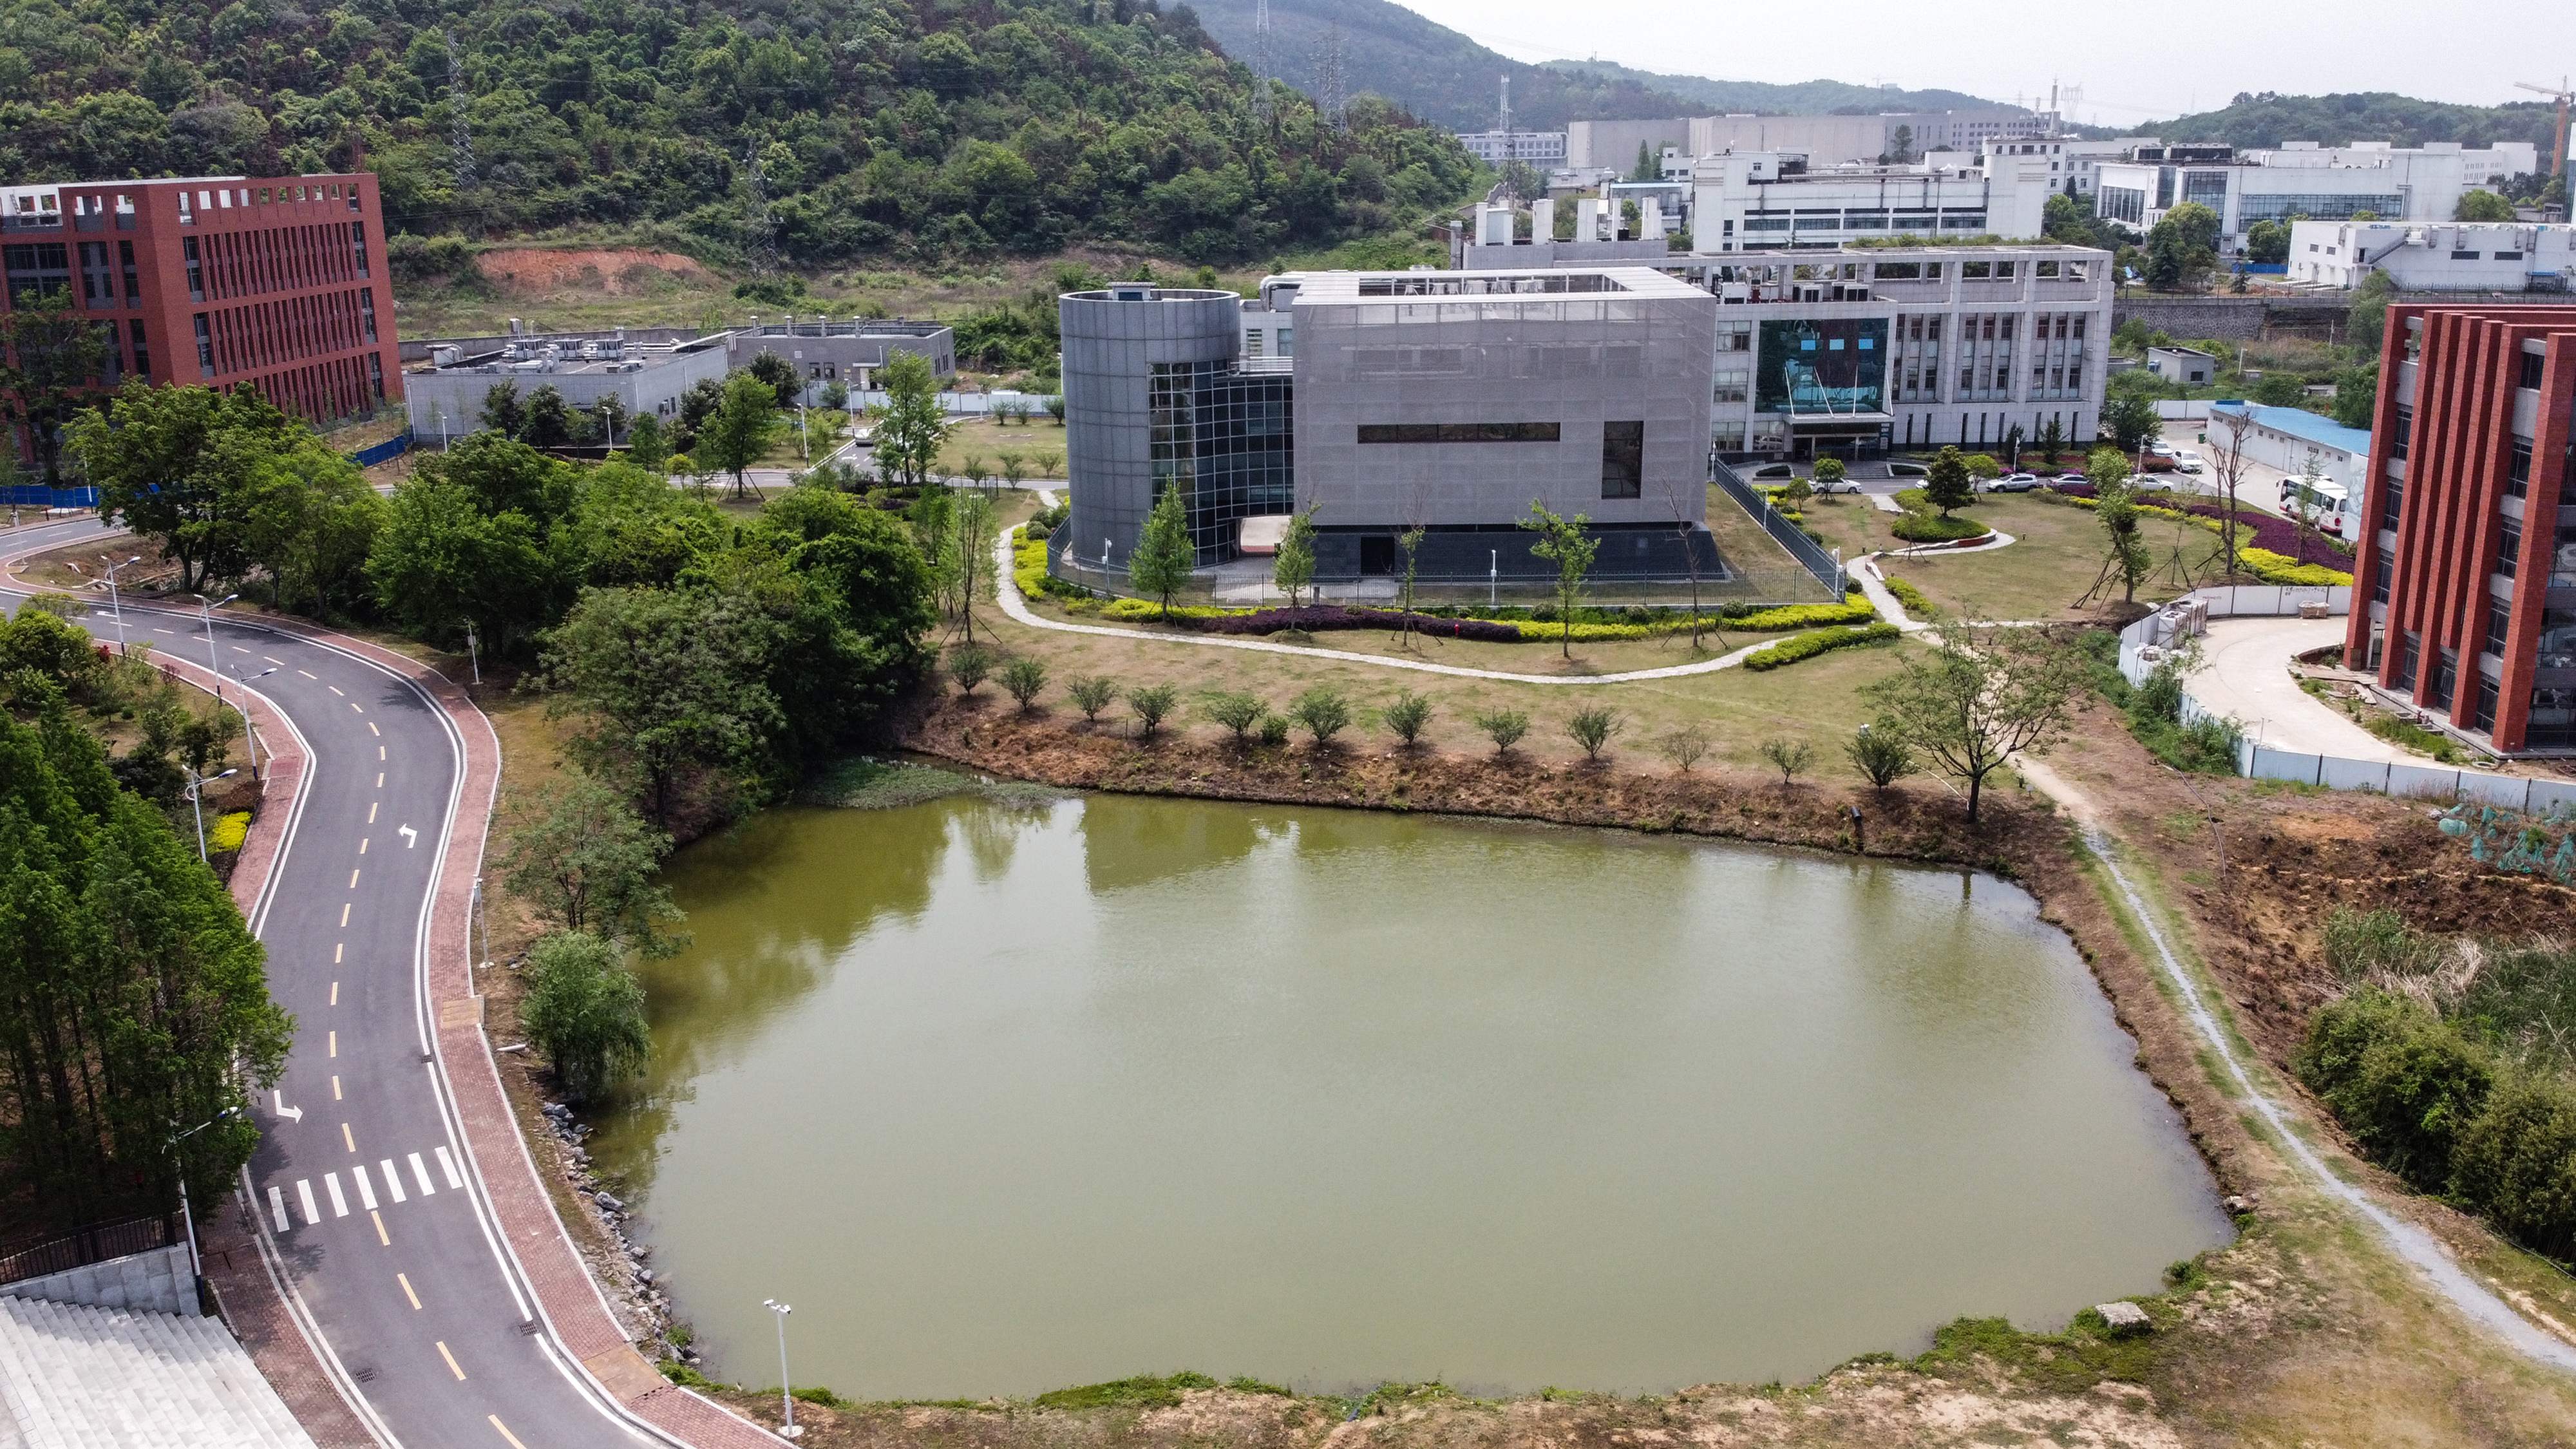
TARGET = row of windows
(264,334)
(1460,432)
(267,195)
(241,264)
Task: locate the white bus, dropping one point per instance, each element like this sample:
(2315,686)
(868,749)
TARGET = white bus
(2325,502)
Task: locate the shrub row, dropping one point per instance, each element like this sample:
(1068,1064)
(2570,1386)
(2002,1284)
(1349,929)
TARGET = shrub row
(1911,597)
(1809,645)
(1457,625)
(1932,528)
(2448,1114)
(2262,563)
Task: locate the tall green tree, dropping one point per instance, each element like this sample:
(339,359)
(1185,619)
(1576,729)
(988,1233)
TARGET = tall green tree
(1981,696)
(740,429)
(50,354)
(133,1000)
(547,420)
(1947,484)
(309,521)
(585,862)
(2131,421)
(1292,569)
(671,688)
(2479,204)
(1161,565)
(2182,247)
(1563,542)
(440,564)
(910,428)
(585,1011)
(178,466)
(2366,321)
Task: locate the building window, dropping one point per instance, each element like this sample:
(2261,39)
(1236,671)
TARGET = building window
(1623,459)
(367,313)
(2509,549)
(2517,470)
(2532,363)
(142,350)
(2409,655)
(2379,571)
(196,269)
(2461,255)
(2484,717)
(133,278)
(1459,432)
(2396,504)
(357,236)
(205,347)
(2499,624)
(2404,433)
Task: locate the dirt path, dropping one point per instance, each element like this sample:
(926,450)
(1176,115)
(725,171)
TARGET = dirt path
(2418,1248)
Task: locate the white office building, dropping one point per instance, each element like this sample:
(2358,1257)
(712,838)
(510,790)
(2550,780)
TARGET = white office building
(1826,140)
(2074,166)
(1538,148)
(2492,256)
(1777,201)
(2300,180)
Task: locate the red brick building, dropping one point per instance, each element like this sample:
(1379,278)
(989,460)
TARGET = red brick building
(2465,568)
(280,282)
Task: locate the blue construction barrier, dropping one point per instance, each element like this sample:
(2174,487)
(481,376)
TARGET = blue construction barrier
(36,495)
(383,452)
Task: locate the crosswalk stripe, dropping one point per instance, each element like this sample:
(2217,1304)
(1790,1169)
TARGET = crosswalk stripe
(304,1200)
(393,1179)
(339,1204)
(277,1206)
(366,1189)
(420,1174)
(447,1164)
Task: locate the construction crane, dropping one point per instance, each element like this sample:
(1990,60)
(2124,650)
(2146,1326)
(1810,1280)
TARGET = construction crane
(2563,96)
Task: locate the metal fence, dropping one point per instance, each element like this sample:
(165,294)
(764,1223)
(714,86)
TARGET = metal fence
(1817,560)
(384,452)
(36,495)
(94,1244)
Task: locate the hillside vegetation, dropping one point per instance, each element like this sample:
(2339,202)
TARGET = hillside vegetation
(1721,97)
(1429,69)
(2268,119)
(822,131)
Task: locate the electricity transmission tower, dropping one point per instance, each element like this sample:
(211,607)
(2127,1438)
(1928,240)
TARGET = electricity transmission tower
(1332,87)
(1261,60)
(460,138)
(764,230)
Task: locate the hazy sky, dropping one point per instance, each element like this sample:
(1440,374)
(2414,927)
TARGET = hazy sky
(2196,54)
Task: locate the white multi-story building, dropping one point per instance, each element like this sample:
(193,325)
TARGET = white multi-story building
(2073,165)
(2495,256)
(2300,179)
(1825,140)
(1776,201)
(1538,148)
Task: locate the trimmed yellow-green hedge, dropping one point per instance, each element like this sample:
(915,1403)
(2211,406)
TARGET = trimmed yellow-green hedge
(229,831)
(1787,616)
(1911,597)
(2262,563)
(1808,646)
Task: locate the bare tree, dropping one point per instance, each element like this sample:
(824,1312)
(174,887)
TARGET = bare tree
(1688,505)
(2227,468)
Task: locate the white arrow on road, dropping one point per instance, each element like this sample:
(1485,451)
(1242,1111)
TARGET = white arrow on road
(292,1114)
(411,838)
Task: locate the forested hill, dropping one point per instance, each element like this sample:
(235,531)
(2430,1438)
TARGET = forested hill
(2267,119)
(1801,98)
(1425,67)
(921,127)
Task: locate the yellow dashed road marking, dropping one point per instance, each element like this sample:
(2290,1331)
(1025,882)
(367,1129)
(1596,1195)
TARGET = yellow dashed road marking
(381,1239)
(407,1293)
(505,1431)
(451,1361)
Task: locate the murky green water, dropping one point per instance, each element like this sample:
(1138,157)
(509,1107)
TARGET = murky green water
(1008,1099)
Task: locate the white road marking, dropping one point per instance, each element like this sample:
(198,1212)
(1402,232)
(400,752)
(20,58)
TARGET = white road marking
(353,704)
(277,1206)
(335,1086)
(420,1174)
(237,649)
(344,919)
(336,948)
(380,775)
(335,986)
(362,845)
(411,838)
(380,755)
(307,673)
(339,1203)
(447,1164)
(393,1179)
(161,631)
(335,689)
(366,1189)
(273,659)
(304,1200)
(371,810)
(353,879)
(334,1039)
(371,727)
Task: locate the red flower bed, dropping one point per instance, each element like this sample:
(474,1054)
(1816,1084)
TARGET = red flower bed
(2268,531)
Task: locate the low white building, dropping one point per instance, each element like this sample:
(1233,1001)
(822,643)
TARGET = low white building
(2299,180)
(1778,200)
(1538,148)
(2073,166)
(2288,440)
(2491,256)
(2186,365)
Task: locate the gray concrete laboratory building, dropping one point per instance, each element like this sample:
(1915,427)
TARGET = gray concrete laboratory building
(1385,401)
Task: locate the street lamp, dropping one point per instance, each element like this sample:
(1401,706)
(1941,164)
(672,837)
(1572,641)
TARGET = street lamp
(116,605)
(250,731)
(787,1396)
(188,1216)
(196,787)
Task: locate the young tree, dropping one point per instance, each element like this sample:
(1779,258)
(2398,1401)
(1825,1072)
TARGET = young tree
(1055,408)
(585,1011)
(585,863)
(548,421)
(739,430)
(1563,542)
(1153,704)
(2131,421)
(1505,727)
(911,429)
(1025,679)
(646,445)
(1830,473)
(1593,728)
(2124,552)
(503,412)
(1091,694)
(1015,468)
(1880,754)
(1408,545)
(1685,745)
(1686,504)
(779,375)
(1323,710)
(1790,757)
(1293,567)
(834,394)
(1947,484)
(1982,696)
(49,351)
(970,665)
(970,541)
(1407,716)
(1161,565)
(2228,436)
(1240,713)
(2052,438)
(975,471)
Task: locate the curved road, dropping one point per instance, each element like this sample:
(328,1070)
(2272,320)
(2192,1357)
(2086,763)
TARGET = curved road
(372,1215)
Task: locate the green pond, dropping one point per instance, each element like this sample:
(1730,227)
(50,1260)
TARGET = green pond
(1008,1097)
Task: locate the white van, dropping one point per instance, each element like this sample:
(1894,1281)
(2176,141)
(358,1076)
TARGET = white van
(2325,502)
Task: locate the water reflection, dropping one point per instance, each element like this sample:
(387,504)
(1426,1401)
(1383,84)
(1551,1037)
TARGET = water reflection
(1331,1096)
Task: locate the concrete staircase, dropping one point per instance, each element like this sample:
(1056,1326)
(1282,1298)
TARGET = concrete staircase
(107,1378)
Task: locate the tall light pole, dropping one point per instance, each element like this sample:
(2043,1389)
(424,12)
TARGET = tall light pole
(115,604)
(187,1215)
(786,1395)
(241,707)
(196,788)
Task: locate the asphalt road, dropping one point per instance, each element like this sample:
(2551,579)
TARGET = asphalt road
(378,1228)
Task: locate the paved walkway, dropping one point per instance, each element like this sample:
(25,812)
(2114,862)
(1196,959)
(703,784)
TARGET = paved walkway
(1007,590)
(2245,675)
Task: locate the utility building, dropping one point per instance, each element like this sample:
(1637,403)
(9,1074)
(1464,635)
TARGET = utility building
(2467,549)
(280,282)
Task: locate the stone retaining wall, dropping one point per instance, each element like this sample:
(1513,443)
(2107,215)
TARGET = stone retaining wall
(159,1281)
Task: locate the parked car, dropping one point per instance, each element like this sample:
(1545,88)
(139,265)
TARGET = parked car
(2071,476)
(2149,483)
(2013,483)
(2187,461)
(1848,484)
